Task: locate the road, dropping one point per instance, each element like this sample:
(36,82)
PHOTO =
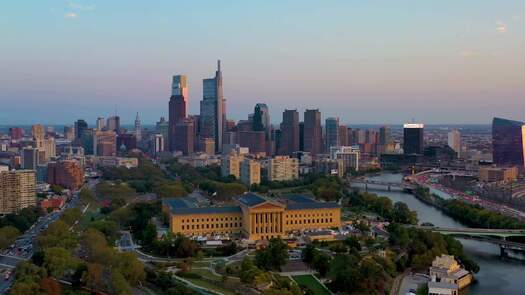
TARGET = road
(25,245)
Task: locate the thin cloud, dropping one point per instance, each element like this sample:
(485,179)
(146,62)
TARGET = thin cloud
(501,27)
(80,6)
(70,15)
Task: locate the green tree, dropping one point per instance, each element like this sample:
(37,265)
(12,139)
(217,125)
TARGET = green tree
(273,256)
(57,261)
(119,285)
(353,243)
(308,254)
(71,215)
(93,276)
(344,273)
(26,271)
(25,287)
(57,235)
(248,270)
(8,235)
(321,263)
(131,268)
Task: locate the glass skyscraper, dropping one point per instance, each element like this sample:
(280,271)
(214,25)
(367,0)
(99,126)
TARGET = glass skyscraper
(212,108)
(413,138)
(508,142)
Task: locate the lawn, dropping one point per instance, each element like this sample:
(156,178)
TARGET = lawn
(208,285)
(309,282)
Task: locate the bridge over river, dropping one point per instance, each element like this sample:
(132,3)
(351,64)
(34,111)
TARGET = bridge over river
(379,184)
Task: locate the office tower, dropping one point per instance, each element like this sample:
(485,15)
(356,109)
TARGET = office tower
(162,127)
(138,128)
(261,120)
(254,140)
(29,158)
(413,138)
(384,135)
(282,168)
(48,150)
(343,135)
(158,144)
(359,136)
(16,133)
(67,173)
(17,190)
(105,143)
(454,141)
(113,124)
(80,128)
(185,136)
(69,133)
(38,133)
(301,136)
(126,142)
(289,137)
(87,140)
(212,114)
(250,172)
(508,142)
(332,132)
(101,123)
(178,106)
(371,136)
(313,135)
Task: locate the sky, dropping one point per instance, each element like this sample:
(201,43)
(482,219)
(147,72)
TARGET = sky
(440,61)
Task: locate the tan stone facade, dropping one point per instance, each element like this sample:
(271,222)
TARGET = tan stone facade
(17,190)
(256,218)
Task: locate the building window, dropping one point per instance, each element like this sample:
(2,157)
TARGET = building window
(182,227)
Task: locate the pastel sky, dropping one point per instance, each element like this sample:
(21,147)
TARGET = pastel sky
(440,61)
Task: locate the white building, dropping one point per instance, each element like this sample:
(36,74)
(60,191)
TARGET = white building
(454,141)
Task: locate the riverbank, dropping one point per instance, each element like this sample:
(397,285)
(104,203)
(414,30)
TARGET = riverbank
(496,275)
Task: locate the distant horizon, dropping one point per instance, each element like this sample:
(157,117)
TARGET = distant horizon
(362,61)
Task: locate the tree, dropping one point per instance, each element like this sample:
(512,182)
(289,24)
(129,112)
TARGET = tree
(353,243)
(131,268)
(344,273)
(8,235)
(26,271)
(308,254)
(273,256)
(248,270)
(321,263)
(57,261)
(92,277)
(71,215)
(403,214)
(108,228)
(119,284)
(57,235)
(50,286)
(25,287)
(57,189)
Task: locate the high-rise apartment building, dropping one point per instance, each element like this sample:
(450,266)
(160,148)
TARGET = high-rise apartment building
(454,141)
(343,135)
(332,132)
(384,135)
(17,190)
(254,140)
(347,156)
(289,135)
(282,168)
(413,138)
(508,142)
(231,165)
(178,106)
(212,112)
(67,173)
(313,134)
(250,172)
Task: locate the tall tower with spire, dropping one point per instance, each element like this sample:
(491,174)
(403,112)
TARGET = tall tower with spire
(138,128)
(178,106)
(212,108)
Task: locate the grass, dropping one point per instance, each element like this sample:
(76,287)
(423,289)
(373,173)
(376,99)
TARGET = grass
(309,282)
(208,285)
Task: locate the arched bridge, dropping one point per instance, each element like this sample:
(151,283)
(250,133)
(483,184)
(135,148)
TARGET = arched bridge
(379,184)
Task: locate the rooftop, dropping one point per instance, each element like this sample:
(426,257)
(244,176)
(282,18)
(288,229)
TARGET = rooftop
(300,202)
(251,199)
(187,205)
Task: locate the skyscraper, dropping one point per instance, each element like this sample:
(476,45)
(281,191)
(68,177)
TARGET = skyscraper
(313,134)
(30,158)
(384,135)
(163,127)
(177,107)
(113,124)
(508,142)
(413,138)
(212,108)
(289,135)
(17,190)
(332,132)
(80,127)
(138,128)
(105,143)
(343,135)
(185,136)
(261,120)
(454,141)
(101,123)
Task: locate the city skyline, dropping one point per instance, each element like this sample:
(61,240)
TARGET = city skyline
(361,62)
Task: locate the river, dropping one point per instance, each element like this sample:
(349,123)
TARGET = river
(496,275)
